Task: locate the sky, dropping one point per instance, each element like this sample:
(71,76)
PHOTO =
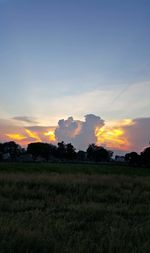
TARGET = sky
(61,59)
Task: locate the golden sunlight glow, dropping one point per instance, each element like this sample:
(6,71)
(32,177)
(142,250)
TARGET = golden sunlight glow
(113,135)
(120,123)
(17,137)
(51,135)
(33,135)
(127,122)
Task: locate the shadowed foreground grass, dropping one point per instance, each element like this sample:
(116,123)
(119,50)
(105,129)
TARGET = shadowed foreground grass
(74,168)
(70,212)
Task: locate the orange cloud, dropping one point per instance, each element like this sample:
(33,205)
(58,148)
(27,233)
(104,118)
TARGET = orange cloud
(113,135)
(33,135)
(51,135)
(16,137)
(124,135)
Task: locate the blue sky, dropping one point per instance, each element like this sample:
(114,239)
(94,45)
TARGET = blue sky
(66,57)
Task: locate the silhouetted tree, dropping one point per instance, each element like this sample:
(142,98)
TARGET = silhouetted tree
(61,150)
(39,149)
(52,150)
(70,152)
(90,151)
(98,153)
(81,155)
(133,158)
(1,151)
(12,148)
(145,155)
(102,154)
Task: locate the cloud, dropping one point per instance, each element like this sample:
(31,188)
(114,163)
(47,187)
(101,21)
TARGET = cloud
(68,129)
(116,101)
(41,133)
(121,135)
(26,119)
(79,133)
(125,135)
(12,130)
(138,133)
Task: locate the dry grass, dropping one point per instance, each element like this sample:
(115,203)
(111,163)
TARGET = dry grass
(50,212)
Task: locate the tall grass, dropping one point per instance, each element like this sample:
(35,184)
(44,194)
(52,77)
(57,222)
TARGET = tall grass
(73,168)
(53,212)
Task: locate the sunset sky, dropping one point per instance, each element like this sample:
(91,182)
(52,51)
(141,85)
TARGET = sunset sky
(71,58)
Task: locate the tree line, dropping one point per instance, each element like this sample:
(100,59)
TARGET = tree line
(66,152)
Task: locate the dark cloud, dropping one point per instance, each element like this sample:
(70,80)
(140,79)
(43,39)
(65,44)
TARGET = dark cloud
(26,119)
(39,129)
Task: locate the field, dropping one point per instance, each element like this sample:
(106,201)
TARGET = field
(74,208)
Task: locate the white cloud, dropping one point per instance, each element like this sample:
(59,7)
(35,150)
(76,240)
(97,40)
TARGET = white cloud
(112,102)
(79,133)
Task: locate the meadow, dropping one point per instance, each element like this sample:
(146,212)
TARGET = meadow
(74,208)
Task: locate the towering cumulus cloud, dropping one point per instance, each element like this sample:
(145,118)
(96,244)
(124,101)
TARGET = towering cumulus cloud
(123,135)
(79,133)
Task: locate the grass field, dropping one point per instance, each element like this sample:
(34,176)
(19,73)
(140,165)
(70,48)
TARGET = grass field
(74,208)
